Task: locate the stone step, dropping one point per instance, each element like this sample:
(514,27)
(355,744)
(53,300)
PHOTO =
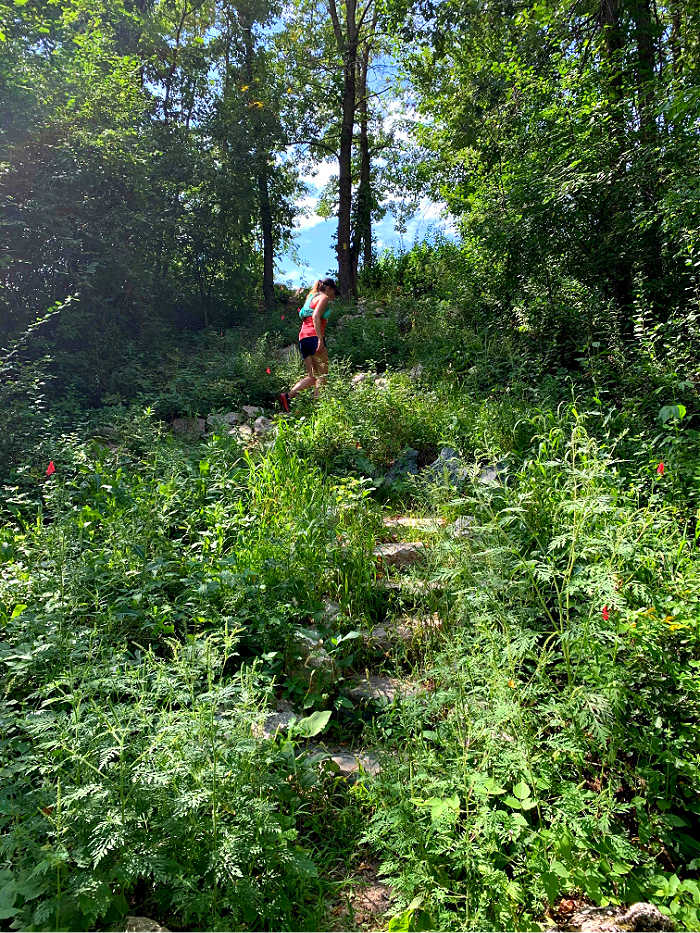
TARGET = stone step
(409,586)
(399,553)
(375,688)
(403,631)
(349,764)
(429,525)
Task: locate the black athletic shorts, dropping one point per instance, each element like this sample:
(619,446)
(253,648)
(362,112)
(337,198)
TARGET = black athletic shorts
(308,346)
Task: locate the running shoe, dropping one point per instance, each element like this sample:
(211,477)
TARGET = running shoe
(284,400)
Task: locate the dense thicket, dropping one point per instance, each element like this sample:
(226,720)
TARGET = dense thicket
(564,138)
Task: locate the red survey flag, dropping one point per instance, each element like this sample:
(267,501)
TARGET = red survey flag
(50,469)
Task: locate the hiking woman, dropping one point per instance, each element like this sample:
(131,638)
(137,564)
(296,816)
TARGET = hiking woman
(312,346)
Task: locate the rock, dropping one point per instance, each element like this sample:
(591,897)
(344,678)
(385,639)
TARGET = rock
(289,352)
(143,925)
(278,721)
(351,764)
(378,689)
(243,431)
(403,631)
(381,382)
(358,378)
(262,426)
(399,553)
(406,464)
(491,474)
(639,917)
(460,526)
(251,411)
(410,586)
(410,521)
(331,612)
(221,420)
(416,372)
(642,916)
(189,427)
(448,467)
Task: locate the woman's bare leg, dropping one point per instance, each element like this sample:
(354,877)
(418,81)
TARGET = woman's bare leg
(308,380)
(319,364)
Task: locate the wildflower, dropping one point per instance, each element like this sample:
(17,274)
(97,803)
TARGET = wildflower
(674,626)
(511,684)
(281,317)
(660,468)
(606,613)
(50,469)
(268,370)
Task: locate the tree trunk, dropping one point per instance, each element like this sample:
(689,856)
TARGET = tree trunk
(615,219)
(266,224)
(262,179)
(362,234)
(347,45)
(650,240)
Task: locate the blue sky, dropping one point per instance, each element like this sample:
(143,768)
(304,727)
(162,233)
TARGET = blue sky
(313,237)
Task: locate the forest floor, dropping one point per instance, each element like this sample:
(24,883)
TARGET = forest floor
(421,655)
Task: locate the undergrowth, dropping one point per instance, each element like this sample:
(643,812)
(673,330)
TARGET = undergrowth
(153,592)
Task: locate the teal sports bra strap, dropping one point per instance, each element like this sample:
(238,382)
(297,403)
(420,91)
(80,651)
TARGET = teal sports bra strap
(307,310)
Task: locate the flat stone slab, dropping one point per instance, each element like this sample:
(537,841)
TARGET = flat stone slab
(411,586)
(410,521)
(378,689)
(400,553)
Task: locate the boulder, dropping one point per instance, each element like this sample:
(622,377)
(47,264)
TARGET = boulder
(491,474)
(399,553)
(448,467)
(189,427)
(143,925)
(381,382)
(251,411)
(289,352)
(358,378)
(243,432)
(230,418)
(416,372)
(406,464)
(262,426)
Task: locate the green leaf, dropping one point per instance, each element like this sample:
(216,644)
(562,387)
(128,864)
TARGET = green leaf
(18,610)
(313,724)
(671,411)
(521,790)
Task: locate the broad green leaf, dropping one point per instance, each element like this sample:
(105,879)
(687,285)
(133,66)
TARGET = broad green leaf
(671,411)
(313,724)
(521,790)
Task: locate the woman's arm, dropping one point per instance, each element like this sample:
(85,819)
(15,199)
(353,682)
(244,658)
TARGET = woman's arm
(317,317)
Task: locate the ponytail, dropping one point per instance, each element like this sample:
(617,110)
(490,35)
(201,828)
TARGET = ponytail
(320,285)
